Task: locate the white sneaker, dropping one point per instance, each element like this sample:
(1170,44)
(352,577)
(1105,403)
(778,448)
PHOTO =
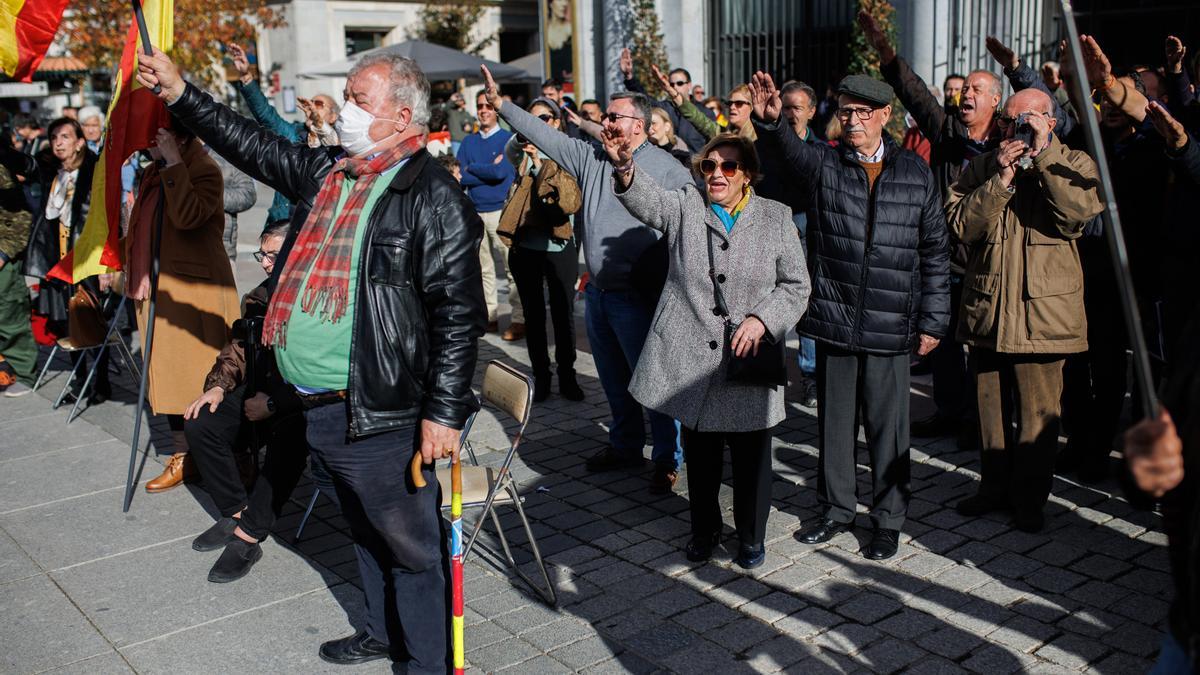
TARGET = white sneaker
(17,389)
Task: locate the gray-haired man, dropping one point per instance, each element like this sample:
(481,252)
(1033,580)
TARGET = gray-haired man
(375,314)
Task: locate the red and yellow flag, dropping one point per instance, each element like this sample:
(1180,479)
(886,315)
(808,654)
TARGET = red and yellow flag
(134,117)
(27,28)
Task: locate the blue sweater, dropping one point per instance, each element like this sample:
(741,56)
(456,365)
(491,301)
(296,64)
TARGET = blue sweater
(486,181)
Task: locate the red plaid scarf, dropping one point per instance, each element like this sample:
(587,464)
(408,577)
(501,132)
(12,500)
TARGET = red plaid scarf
(327,267)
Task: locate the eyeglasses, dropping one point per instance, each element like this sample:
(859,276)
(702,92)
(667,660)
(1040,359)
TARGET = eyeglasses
(736,103)
(484,106)
(680,83)
(261,255)
(613,117)
(728,167)
(546,117)
(863,114)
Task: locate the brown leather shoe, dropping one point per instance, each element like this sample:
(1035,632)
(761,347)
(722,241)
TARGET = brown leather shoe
(516,331)
(179,468)
(492,327)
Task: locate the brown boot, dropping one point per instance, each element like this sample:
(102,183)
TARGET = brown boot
(178,469)
(515,332)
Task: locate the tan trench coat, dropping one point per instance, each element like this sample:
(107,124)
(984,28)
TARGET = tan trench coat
(1023,289)
(197,297)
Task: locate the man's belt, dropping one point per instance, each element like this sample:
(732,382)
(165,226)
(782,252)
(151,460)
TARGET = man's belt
(310,401)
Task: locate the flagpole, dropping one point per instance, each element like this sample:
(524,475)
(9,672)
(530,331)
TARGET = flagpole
(1143,379)
(156,248)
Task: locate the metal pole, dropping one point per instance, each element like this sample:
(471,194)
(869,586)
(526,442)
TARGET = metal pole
(140,18)
(1143,379)
(156,248)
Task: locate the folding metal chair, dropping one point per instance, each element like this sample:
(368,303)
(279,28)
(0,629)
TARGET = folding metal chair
(111,339)
(511,392)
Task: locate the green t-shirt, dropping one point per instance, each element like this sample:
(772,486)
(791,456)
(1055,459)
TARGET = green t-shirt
(317,355)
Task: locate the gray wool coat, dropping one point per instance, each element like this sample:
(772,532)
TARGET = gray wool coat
(681,372)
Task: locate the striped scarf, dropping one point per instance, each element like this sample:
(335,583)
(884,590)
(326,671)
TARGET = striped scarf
(327,265)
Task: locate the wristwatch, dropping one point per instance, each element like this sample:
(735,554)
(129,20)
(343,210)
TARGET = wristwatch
(270,405)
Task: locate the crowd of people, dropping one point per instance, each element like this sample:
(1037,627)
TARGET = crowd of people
(972,249)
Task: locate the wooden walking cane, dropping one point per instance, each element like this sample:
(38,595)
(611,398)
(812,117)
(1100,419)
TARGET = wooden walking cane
(456,552)
(1113,232)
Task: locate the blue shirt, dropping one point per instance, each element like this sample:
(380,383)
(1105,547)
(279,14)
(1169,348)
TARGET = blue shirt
(486,180)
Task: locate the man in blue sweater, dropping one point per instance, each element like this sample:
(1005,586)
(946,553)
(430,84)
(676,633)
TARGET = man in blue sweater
(487,176)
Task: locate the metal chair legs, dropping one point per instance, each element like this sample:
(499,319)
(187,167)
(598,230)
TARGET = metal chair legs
(45,367)
(307,512)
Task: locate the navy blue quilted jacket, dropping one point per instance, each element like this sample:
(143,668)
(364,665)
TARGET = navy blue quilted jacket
(879,260)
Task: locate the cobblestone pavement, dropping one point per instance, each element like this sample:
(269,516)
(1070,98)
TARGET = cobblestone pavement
(86,588)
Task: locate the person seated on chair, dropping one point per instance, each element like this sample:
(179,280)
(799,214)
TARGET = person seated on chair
(245,403)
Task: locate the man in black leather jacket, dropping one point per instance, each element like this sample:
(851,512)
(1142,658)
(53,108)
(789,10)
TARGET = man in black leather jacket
(878,255)
(386,370)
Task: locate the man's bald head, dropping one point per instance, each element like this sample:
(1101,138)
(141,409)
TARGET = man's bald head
(1028,100)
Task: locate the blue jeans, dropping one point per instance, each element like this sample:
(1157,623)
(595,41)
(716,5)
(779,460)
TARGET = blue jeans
(1172,659)
(617,324)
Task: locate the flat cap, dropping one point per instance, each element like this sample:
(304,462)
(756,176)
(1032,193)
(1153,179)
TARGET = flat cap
(867,88)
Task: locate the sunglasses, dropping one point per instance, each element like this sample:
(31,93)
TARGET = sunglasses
(484,106)
(735,103)
(680,83)
(261,255)
(613,117)
(728,167)
(546,117)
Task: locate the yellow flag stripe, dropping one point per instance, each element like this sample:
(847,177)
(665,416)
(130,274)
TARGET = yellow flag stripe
(10,51)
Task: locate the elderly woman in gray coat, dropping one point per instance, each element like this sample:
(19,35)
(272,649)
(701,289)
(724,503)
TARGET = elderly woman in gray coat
(759,264)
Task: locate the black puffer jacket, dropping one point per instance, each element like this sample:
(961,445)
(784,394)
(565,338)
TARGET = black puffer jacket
(879,260)
(419,305)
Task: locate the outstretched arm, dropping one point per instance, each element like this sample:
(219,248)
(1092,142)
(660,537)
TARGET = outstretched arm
(804,159)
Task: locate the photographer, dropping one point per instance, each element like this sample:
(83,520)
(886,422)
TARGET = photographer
(1020,209)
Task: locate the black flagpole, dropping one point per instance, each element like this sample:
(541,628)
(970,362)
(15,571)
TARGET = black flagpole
(1143,379)
(156,247)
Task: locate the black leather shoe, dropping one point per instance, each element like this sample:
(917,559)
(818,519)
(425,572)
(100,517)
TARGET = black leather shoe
(979,504)
(568,385)
(822,531)
(215,537)
(883,545)
(700,548)
(235,561)
(357,648)
(608,459)
(541,387)
(749,557)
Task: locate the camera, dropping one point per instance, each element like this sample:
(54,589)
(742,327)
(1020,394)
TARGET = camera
(1024,132)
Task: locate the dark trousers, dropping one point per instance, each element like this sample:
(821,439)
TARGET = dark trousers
(1024,389)
(533,271)
(1095,382)
(951,383)
(214,438)
(17,345)
(846,381)
(397,532)
(750,455)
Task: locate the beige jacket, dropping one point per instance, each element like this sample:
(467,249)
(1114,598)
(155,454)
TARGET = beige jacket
(1023,290)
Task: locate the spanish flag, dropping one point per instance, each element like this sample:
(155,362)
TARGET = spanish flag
(134,117)
(27,28)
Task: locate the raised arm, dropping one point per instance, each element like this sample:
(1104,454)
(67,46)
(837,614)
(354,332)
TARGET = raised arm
(632,83)
(639,192)
(264,113)
(1099,73)
(1179,90)
(572,154)
(1022,77)
(910,88)
(1181,148)
(707,127)
(980,194)
(803,159)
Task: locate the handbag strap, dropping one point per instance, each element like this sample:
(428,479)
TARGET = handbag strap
(718,294)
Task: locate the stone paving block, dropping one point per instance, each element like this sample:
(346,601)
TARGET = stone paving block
(828,593)
(705,658)
(773,606)
(867,607)
(538,665)
(14,564)
(1147,582)
(1002,593)
(739,591)
(646,551)
(641,587)
(981,529)
(1045,607)
(1100,594)
(26,438)
(707,616)
(1054,579)
(1090,622)
(98,466)
(777,654)
(1018,541)
(1141,608)
(600,607)
(1011,565)
(627,663)
(630,622)
(1141,641)
(935,665)
(847,638)
(661,640)
(673,600)
(794,577)
(1023,634)
(1072,651)
(890,655)
(501,655)
(979,617)
(742,634)
(974,553)
(1101,566)
(42,629)
(615,571)
(961,578)
(908,624)
(527,618)
(997,660)
(107,664)
(1057,553)
(938,601)
(938,541)
(586,652)
(557,634)
(923,564)
(1155,559)
(1119,663)
(950,641)
(807,623)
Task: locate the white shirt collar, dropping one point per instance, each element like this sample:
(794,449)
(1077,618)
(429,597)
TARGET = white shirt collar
(489,134)
(874,157)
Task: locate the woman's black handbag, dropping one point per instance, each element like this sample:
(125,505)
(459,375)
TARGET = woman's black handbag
(767,368)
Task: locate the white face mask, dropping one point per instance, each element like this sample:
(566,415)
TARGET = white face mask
(353,128)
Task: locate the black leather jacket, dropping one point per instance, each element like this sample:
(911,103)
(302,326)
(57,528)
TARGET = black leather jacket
(419,308)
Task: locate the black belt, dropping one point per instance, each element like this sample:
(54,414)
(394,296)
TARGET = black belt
(310,401)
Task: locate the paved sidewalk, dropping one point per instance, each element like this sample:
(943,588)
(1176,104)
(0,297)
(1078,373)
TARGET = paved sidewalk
(87,589)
